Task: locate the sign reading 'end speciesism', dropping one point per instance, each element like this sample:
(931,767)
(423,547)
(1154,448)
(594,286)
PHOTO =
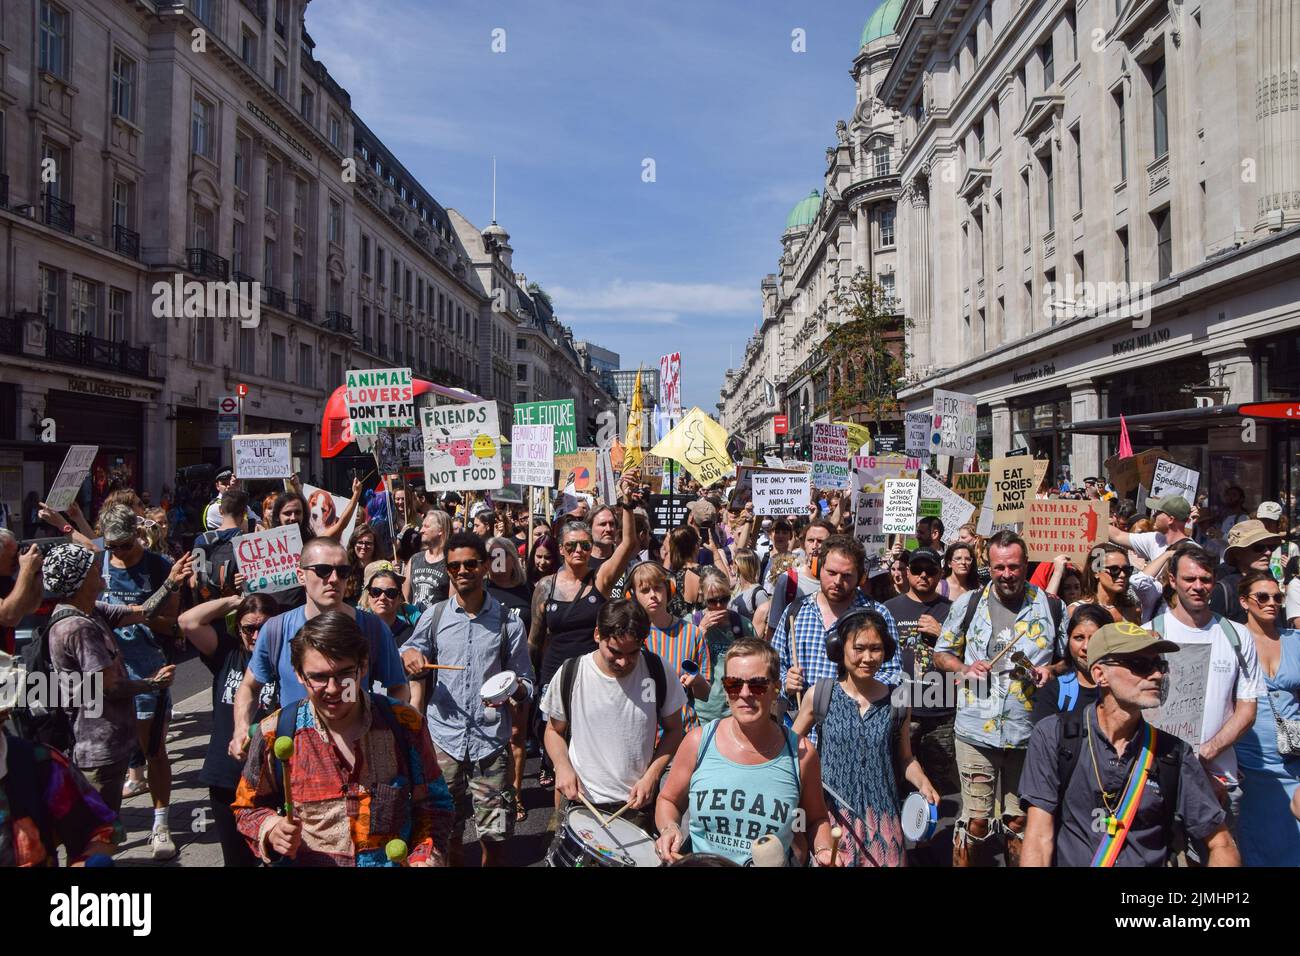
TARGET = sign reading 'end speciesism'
(379,398)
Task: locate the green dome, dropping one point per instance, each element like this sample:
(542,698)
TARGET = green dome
(805,213)
(882,22)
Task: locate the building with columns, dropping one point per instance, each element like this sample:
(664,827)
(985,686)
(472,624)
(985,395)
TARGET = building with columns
(1100,215)
(846,225)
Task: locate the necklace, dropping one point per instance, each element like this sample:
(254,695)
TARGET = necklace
(1112,821)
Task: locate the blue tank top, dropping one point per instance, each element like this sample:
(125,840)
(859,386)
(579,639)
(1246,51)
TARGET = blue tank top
(732,804)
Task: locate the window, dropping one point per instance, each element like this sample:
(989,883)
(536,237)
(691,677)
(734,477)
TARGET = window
(122,203)
(1078,268)
(1078,169)
(269,263)
(1072,31)
(280,78)
(880,160)
(336,367)
(273,186)
(299,202)
(1159,106)
(998,255)
(247,349)
(248,47)
(50,296)
(887,289)
(202,131)
(379,264)
(119,307)
(335,128)
(410,345)
(204,329)
(365,254)
(278,353)
(305,103)
(237,246)
(419,294)
(296,275)
(334,230)
(1027,224)
(85,306)
(1164,244)
(397,341)
(397,277)
(243,149)
(334,296)
(979,141)
(203,9)
(382,327)
(407,286)
(304,365)
(1049,65)
(1049,177)
(55,187)
(365,324)
(123,88)
(1122,236)
(887,227)
(1123,134)
(204,234)
(54,40)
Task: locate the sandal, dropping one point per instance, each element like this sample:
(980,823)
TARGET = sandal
(521,812)
(545,778)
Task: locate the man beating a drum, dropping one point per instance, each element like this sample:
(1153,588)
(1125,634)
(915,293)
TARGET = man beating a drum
(604,710)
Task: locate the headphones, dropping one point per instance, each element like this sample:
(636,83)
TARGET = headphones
(853,621)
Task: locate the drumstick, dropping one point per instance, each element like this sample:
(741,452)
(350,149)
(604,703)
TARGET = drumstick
(836,834)
(621,811)
(443,667)
(600,817)
(284,753)
(396,851)
(1010,645)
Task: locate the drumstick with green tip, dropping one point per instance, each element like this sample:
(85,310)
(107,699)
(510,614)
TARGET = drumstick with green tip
(284,753)
(396,851)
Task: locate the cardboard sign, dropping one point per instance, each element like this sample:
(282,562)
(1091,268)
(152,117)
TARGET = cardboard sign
(1123,474)
(916,433)
(559,414)
(511,493)
(780,494)
(667,511)
(670,383)
(953,426)
(954,510)
(1064,526)
(698,444)
(379,398)
(578,469)
(324,509)
(971,485)
(268,560)
(1171,478)
(868,524)
(1040,472)
(773,462)
(67,483)
(901,496)
(532,455)
(875,469)
(1183,712)
(652,466)
(262,456)
(1146,465)
(606,486)
(462,447)
(1011,485)
(830,456)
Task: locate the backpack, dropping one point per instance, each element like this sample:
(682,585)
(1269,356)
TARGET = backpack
(49,726)
(213,552)
(568,676)
(1058,621)
(1168,766)
(821,705)
(1230,632)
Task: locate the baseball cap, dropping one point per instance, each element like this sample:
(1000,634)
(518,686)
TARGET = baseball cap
(1244,534)
(1269,511)
(702,511)
(925,554)
(1175,506)
(1125,637)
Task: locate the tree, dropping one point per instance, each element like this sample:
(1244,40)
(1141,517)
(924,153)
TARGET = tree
(535,289)
(865,356)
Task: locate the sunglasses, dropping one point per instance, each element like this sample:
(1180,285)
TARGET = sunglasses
(1261,548)
(471,565)
(323,571)
(717,601)
(1119,569)
(119,545)
(249,630)
(757,685)
(391,593)
(928,571)
(1264,598)
(572,546)
(1142,666)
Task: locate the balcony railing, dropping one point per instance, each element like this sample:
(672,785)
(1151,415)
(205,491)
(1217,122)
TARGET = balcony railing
(338,321)
(11,335)
(273,297)
(126,241)
(88,350)
(244,278)
(203,262)
(303,309)
(57,213)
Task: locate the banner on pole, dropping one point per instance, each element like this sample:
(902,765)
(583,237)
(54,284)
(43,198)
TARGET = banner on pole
(830,456)
(378,398)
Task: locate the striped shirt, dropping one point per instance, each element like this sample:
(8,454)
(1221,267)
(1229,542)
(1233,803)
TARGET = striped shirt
(683,641)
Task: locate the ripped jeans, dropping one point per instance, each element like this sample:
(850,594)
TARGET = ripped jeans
(990,781)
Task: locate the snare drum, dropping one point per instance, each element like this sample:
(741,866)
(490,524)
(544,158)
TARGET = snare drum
(920,818)
(582,841)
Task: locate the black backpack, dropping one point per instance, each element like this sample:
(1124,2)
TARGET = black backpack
(568,675)
(1058,620)
(45,723)
(214,551)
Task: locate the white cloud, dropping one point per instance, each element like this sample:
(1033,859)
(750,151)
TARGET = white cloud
(658,298)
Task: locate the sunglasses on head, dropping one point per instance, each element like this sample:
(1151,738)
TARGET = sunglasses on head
(1263,597)
(471,565)
(324,571)
(391,593)
(572,546)
(757,685)
(1141,666)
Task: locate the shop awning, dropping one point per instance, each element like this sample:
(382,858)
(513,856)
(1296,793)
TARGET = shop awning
(1213,416)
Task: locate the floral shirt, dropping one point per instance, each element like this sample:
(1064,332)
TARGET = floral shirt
(994,711)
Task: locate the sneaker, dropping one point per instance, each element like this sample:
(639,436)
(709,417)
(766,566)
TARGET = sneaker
(133,788)
(161,841)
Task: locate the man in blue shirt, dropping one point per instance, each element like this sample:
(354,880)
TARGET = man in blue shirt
(323,571)
(476,633)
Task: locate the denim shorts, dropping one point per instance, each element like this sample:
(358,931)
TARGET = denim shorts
(142,657)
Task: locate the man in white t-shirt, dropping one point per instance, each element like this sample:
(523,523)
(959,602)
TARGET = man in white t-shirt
(602,740)
(1269,514)
(1233,683)
(1170,515)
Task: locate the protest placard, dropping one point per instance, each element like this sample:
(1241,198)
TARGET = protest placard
(954,511)
(462,450)
(916,432)
(1183,713)
(379,398)
(953,425)
(875,469)
(780,494)
(1171,478)
(578,469)
(1040,472)
(830,456)
(667,511)
(1064,526)
(511,492)
(532,455)
(323,511)
(1123,474)
(67,483)
(900,505)
(559,414)
(971,485)
(1146,465)
(262,456)
(1011,483)
(268,560)
(606,486)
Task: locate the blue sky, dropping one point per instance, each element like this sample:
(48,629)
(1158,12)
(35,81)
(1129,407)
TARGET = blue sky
(735,121)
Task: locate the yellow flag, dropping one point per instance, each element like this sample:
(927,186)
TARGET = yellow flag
(858,435)
(632,457)
(699,445)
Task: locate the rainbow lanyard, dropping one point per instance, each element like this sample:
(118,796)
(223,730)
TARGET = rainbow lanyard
(1119,823)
